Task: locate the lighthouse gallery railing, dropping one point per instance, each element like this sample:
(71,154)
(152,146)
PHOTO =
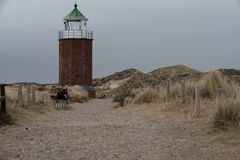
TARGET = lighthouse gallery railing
(75,34)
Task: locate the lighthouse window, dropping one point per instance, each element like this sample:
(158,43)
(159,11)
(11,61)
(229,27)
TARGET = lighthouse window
(85,23)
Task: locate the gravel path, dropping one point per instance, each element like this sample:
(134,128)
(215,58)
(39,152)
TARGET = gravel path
(95,131)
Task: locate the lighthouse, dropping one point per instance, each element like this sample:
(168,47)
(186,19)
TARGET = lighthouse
(75,51)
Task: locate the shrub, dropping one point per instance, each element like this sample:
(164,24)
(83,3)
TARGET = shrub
(228,114)
(78,94)
(147,96)
(120,98)
(210,84)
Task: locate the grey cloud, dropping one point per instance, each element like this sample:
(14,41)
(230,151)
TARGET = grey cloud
(1,3)
(145,34)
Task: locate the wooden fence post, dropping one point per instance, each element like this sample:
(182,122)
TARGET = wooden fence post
(168,90)
(33,95)
(220,94)
(197,98)
(3,99)
(183,92)
(46,99)
(20,96)
(158,89)
(28,94)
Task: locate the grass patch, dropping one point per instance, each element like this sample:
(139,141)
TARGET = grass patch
(227,115)
(147,96)
(78,94)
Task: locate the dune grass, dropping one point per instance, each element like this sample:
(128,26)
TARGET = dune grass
(147,96)
(220,100)
(78,94)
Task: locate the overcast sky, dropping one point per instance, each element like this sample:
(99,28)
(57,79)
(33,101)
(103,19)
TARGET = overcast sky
(144,34)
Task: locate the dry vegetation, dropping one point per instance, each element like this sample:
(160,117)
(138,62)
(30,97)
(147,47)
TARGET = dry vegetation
(220,100)
(15,112)
(78,94)
(42,104)
(147,96)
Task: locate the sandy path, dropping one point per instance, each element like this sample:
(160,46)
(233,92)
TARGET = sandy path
(95,131)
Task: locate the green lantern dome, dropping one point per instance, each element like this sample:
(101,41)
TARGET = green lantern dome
(75,15)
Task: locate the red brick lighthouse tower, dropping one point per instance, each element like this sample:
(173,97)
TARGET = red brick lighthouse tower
(75,51)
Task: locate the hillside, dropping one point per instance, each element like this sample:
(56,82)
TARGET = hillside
(118,76)
(125,81)
(175,70)
(232,74)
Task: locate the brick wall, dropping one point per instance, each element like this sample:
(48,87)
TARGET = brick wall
(75,62)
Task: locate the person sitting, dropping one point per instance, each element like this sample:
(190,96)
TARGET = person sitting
(65,93)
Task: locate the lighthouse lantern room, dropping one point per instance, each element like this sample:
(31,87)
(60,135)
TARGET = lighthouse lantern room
(75,26)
